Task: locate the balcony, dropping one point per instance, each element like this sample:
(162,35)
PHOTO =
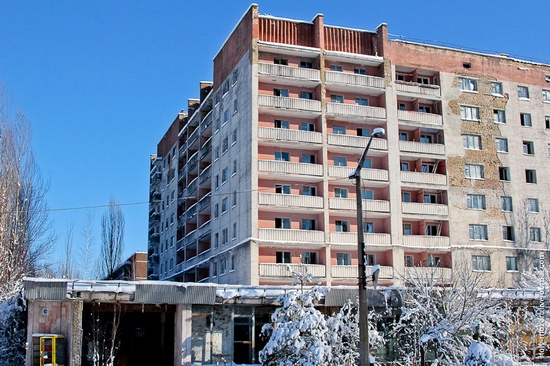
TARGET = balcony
(288,201)
(285,134)
(204,229)
(204,203)
(205,175)
(290,235)
(357,141)
(281,269)
(348,79)
(205,149)
(191,189)
(368,174)
(426,241)
(430,119)
(350,238)
(298,106)
(206,122)
(417,208)
(351,272)
(192,163)
(193,139)
(444,274)
(335,203)
(191,212)
(289,72)
(421,147)
(423,178)
(286,167)
(351,112)
(418,89)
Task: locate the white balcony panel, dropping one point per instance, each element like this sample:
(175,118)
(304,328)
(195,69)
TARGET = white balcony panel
(386,272)
(290,200)
(422,148)
(290,235)
(281,269)
(426,241)
(369,174)
(419,117)
(425,208)
(443,274)
(299,104)
(286,134)
(286,167)
(415,88)
(354,79)
(289,71)
(335,203)
(425,178)
(357,141)
(354,110)
(350,238)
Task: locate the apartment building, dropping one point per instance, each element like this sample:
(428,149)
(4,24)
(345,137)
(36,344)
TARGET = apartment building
(255,176)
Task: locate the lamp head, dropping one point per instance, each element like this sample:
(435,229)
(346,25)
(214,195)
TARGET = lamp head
(378,132)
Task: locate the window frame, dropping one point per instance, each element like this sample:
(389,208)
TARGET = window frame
(523,92)
(499,142)
(469,113)
(476,201)
(478,232)
(467,84)
(481,263)
(471,142)
(476,168)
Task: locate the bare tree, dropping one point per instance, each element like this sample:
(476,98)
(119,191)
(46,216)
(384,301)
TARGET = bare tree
(85,249)
(67,266)
(112,238)
(24,224)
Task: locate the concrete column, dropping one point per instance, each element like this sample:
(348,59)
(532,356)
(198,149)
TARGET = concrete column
(182,335)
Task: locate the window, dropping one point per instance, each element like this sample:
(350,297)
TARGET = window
(508,233)
(466,84)
(235,76)
(547,122)
(217,182)
(217,153)
(528,148)
(306,95)
(234,235)
(511,263)
(338,130)
(225,236)
(504,173)
(214,269)
(309,224)
(530,176)
(404,166)
(434,261)
(403,136)
(306,64)
(234,167)
(424,109)
(481,263)
(225,145)
(532,205)
(336,98)
(308,158)
(525,119)
(225,204)
(478,232)
(234,137)
(469,113)
(364,132)
(506,203)
(232,263)
(431,230)
(279,123)
(473,171)
(548,149)
(475,201)
(226,87)
(406,197)
(223,267)
(371,260)
(400,77)
(409,261)
(367,163)
(216,240)
(362,101)
(407,229)
(235,104)
(309,191)
(282,188)
(216,211)
(280,61)
(234,200)
(282,223)
(341,192)
(401,106)
(534,234)
(426,139)
(340,161)
(499,116)
(342,226)
(225,117)
(471,142)
(309,258)
(423,80)
(367,194)
(502,144)
(225,175)
(336,68)
(343,259)
(545,95)
(428,168)
(280,92)
(360,71)
(282,257)
(368,227)
(496,88)
(282,156)
(430,198)
(523,92)
(306,126)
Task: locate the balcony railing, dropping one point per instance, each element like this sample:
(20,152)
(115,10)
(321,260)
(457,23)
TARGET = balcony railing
(421,147)
(206,121)
(290,200)
(355,79)
(191,212)
(205,201)
(426,241)
(190,238)
(191,188)
(369,174)
(357,141)
(193,138)
(350,238)
(289,71)
(281,269)
(204,229)
(426,178)
(290,235)
(386,272)
(441,273)
(205,175)
(297,104)
(354,110)
(424,208)
(419,117)
(335,203)
(286,167)
(206,148)
(286,134)
(193,161)
(415,88)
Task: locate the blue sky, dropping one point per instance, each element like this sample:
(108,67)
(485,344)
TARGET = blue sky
(101,81)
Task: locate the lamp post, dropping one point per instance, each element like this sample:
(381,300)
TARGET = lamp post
(364,349)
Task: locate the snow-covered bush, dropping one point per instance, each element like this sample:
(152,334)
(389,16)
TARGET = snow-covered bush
(13,330)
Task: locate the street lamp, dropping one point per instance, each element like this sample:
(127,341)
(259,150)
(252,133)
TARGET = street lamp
(364,349)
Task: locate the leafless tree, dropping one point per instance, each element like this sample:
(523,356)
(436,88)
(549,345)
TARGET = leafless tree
(25,238)
(85,248)
(68,266)
(112,238)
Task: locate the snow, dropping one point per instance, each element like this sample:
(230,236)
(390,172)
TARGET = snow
(478,354)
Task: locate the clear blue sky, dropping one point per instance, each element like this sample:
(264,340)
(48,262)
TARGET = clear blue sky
(101,81)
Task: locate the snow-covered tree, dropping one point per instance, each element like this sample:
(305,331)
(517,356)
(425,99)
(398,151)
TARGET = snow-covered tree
(13,330)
